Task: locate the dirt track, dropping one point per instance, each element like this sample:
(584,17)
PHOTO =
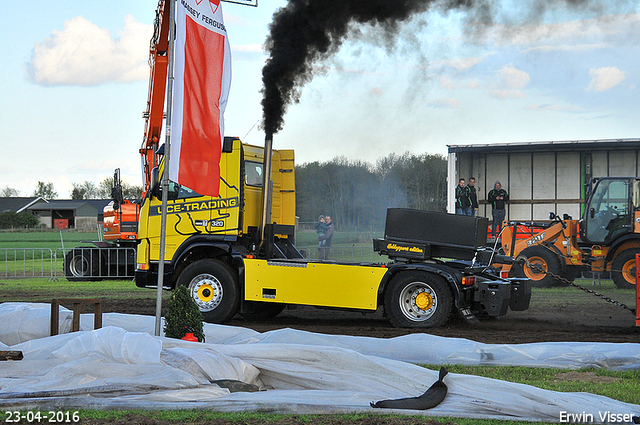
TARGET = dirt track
(578,317)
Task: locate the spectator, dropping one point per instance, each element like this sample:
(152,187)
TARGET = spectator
(325,248)
(463,198)
(321,227)
(473,196)
(498,197)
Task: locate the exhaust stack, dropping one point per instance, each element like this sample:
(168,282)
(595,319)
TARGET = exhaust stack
(267,187)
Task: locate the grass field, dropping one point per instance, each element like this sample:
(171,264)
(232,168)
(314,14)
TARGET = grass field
(71,238)
(50,239)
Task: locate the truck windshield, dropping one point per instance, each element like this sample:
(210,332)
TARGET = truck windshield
(608,214)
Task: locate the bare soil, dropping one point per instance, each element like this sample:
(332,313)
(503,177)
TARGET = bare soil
(579,317)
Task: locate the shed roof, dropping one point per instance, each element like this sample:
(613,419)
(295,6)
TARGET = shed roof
(18,203)
(69,204)
(560,145)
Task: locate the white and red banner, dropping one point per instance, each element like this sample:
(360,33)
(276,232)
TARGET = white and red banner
(202,78)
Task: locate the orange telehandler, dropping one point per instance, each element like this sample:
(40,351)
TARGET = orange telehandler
(606,239)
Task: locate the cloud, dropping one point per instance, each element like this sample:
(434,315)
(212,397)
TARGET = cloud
(568,48)
(376,91)
(512,78)
(555,108)
(508,81)
(83,54)
(603,79)
(248,48)
(624,26)
(474,84)
(463,63)
(506,94)
(445,83)
(445,103)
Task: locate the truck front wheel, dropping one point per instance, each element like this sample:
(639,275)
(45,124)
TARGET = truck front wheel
(623,269)
(213,287)
(418,300)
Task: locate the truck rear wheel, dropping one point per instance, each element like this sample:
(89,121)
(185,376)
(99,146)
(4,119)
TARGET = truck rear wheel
(418,299)
(540,262)
(623,269)
(212,285)
(81,264)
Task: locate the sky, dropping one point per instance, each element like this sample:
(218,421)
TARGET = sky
(74,81)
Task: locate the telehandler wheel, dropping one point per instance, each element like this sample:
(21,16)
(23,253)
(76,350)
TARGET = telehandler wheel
(541,261)
(81,265)
(257,310)
(418,299)
(213,287)
(623,269)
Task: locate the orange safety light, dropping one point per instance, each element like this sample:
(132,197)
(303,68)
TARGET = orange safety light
(468,280)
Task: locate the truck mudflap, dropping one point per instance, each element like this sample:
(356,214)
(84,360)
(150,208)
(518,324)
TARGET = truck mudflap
(520,294)
(496,297)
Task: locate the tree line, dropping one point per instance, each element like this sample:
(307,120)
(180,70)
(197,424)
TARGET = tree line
(356,193)
(85,190)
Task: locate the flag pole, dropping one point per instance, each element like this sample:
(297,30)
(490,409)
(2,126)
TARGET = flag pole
(165,173)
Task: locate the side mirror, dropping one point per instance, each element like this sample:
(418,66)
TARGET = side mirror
(174,190)
(552,215)
(155,182)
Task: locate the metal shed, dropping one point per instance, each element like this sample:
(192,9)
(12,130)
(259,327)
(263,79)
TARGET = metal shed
(69,213)
(540,177)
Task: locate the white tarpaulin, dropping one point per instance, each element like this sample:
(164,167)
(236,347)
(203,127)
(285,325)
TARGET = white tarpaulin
(123,366)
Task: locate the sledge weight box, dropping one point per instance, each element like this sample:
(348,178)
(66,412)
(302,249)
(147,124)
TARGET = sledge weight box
(420,235)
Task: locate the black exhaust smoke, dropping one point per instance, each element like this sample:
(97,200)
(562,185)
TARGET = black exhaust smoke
(308,31)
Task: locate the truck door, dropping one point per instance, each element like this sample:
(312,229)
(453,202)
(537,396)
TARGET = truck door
(608,214)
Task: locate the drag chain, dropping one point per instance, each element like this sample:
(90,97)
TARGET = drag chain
(539,269)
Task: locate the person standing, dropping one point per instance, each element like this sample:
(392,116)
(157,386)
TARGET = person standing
(463,199)
(498,197)
(473,196)
(320,229)
(326,238)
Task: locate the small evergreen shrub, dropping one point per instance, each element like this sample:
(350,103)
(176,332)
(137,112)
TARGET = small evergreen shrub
(183,316)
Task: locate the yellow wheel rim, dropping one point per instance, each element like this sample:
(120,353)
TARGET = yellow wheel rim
(424,301)
(206,292)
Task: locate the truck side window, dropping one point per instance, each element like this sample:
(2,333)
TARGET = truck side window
(177,191)
(253,173)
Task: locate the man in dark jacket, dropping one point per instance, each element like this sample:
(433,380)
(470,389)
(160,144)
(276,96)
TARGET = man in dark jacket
(473,196)
(498,198)
(463,198)
(325,239)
